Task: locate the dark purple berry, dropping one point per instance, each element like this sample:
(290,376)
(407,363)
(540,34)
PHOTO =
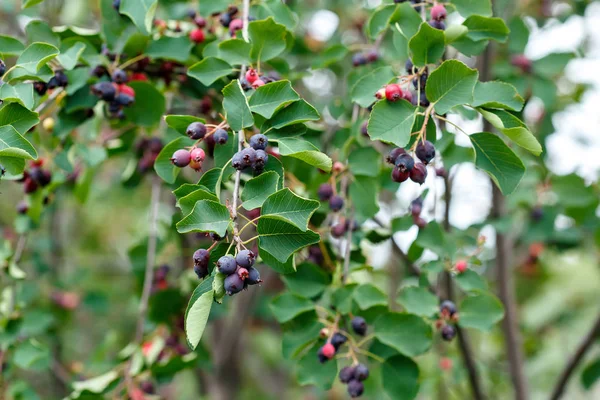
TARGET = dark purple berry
(22,207)
(346,374)
(42,177)
(105,90)
(244,159)
(233,284)
(225,19)
(337,340)
(447,308)
(201,257)
(405,162)
(336,203)
(399,176)
(53,83)
(253,276)
(419,173)
(259,141)
(245,258)
(119,76)
(359,59)
(391,158)
(338,230)
(260,160)
(537,214)
(116,4)
(448,332)
(325,192)
(372,55)
(416,206)
(123,99)
(216,237)
(181,158)
(361,372)
(437,24)
(359,325)
(409,66)
(196,130)
(147,387)
(425,151)
(201,271)
(221,136)
(2,67)
(355,388)
(61,79)
(226,265)
(40,88)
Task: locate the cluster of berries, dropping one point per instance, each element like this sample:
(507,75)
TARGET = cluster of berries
(229,20)
(416,207)
(352,375)
(448,315)
(116,93)
(198,131)
(370,56)
(58,80)
(254,156)
(438,15)
(197,34)
(195,156)
(239,270)
(326,193)
(147,149)
(405,166)
(253,80)
(35,178)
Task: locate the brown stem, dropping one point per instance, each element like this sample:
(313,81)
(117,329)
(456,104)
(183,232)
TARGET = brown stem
(575,359)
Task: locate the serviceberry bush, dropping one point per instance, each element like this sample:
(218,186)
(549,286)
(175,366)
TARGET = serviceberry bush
(277,168)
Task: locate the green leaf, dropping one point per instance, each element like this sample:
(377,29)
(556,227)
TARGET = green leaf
(407,333)
(288,206)
(455,32)
(286,267)
(406,20)
(97,384)
(282,239)
(267,38)
(392,122)
(10,46)
(288,306)
(31,3)
(21,93)
(163,165)
(363,91)
(32,355)
(187,202)
(207,216)
(12,144)
(481,311)
(18,116)
(590,374)
(258,189)
(149,105)
(434,238)
(35,56)
(498,160)
(309,281)
(450,85)
(304,151)
(552,65)
(482,28)
(400,378)
(235,51)
(197,312)
(368,295)
(170,48)
(519,35)
(497,95)
(379,20)
(363,192)
(470,281)
(466,8)
(573,191)
(272,97)
(299,334)
(40,31)
(329,56)
(427,46)
(295,113)
(210,70)
(309,371)
(468,46)
(181,122)
(69,58)
(141,12)
(365,161)
(419,301)
(514,128)
(237,110)
(278,10)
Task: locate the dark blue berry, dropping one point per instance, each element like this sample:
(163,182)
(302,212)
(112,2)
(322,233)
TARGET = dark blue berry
(119,76)
(221,136)
(404,162)
(336,203)
(346,374)
(196,130)
(447,307)
(245,258)
(201,257)
(394,153)
(253,276)
(359,325)
(233,284)
(260,160)
(337,340)
(425,151)
(325,192)
(124,99)
(226,265)
(448,332)
(259,141)
(355,388)
(116,4)
(437,24)
(359,59)
(361,372)
(105,90)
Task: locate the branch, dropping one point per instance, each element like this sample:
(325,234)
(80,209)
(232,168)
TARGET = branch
(575,359)
(346,271)
(49,100)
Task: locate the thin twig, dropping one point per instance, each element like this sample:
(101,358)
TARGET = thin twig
(348,249)
(576,359)
(49,100)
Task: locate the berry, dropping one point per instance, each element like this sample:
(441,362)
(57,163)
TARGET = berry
(200,22)
(105,90)
(399,176)
(391,158)
(201,257)
(258,83)
(337,340)
(128,90)
(29,186)
(61,78)
(261,159)
(420,222)
(196,130)
(201,271)
(226,265)
(361,372)
(346,374)
(404,162)
(419,173)
(409,66)
(235,25)
(328,350)
(522,62)
(380,94)
(251,76)
(233,284)
(425,151)
(242,273)
(325,192)
(259,141)
(393,92)
(225,20)
(338,230)
(253,276)
(40,176)
(437,24)
(338,167)
(119,76)
(197,35)
(197,155)
(359,59)
(22,207)
(181,158)
(237,161)
(416,206)
(40,87)
(445,363)
(2,67)
(421,81)
(336,203)
(124,100)
(244,159)
(461,266)
(221,136)
(245,258)
(48,124)
(147,387)
(448,332)
(359,325)
(116,4)
(447,308)
(438,12)
(321,356)
(407,95)
(372,55)
(355,388)
(216,237)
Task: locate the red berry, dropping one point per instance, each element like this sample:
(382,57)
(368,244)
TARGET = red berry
(445,364)
(522,62)
(251,75)
(407,95)
(139,76)
(393,92)
(438,12)
(128,90)
(197,35)
(461,266)
(235,26)
(338,167)
(258,83)
(399,175)
(328,350)
(419,173)
(198,154)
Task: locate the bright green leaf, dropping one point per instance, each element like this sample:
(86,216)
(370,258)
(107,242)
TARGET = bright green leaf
(197,312)
(363,91)
(392,122)
(272,97)
(141,13)
(467,8)
(368,295)
(21,93)
(400,378)
(210,70)
(419,301)
(237,110)
(304,151)
(497,95)
(267,38)
(258,189)
(171,48)
(149,105)
(287,306)
(181,122)
(407,333)
(290,207)
(69,58)
(481,311)
(514,128)
(281,239)
(427,46)
(295,113)
(207,216)
(450,85)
